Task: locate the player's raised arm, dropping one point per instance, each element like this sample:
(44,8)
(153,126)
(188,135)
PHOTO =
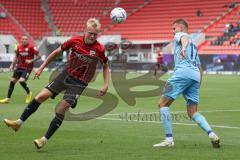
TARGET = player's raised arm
(106,80)
(13,63)
(51,56)
(184,42)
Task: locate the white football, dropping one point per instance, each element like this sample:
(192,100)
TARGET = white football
(118,15)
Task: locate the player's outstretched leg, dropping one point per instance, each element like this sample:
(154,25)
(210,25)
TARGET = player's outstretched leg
(29,110)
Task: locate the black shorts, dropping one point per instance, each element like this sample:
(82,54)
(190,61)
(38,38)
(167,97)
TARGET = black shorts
(161,66)
(71,87)
(21,73)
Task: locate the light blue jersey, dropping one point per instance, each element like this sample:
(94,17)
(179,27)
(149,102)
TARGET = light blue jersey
(186,67)
(186,77)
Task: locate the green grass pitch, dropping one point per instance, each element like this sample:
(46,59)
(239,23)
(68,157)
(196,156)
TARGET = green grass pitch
(113,137)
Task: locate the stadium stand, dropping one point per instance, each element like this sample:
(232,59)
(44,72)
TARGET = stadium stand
(131,6)
(8,26)
(69,16)
(221,33)
(153,20)
(29,15)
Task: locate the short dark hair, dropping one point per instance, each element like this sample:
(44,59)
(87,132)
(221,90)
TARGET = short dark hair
(181,21)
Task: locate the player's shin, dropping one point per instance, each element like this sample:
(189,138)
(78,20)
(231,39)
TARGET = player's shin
(166,122)
(54,125)
(10,89)
(30,109)
(202,122)
(25,86)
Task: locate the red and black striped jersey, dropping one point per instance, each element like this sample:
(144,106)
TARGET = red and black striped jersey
(24,53)
(159,57)
(83,59)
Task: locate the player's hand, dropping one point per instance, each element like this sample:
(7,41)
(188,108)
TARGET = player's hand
(103,91)
(37,73)
(28,61)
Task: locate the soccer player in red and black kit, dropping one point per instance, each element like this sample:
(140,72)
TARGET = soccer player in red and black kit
(159,64)
(85,51)
(26,54)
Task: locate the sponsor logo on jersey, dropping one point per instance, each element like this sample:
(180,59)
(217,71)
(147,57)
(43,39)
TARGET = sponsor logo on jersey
(23,53)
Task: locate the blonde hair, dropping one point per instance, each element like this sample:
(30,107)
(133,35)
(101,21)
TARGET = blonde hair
(93,22)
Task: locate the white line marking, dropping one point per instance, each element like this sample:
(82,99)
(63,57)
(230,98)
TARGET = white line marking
(185,124)
(140,112)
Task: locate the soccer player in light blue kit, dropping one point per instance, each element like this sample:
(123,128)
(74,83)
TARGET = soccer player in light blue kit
(185,80)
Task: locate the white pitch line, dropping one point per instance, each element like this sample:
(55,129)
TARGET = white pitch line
(210,111)
(185,124)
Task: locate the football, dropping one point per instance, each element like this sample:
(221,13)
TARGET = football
(118,15)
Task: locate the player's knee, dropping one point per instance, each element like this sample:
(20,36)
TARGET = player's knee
(62,107)
(13,80)
(191,109)
(165,101)
(163,104)
(22,80)
(190,115)
(160,104)
(42,96)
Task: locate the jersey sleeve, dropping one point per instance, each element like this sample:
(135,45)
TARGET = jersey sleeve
(102,56)
(68,44)
(34,50)
(179,35)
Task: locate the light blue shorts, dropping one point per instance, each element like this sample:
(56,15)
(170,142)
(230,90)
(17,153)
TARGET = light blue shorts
(189,88)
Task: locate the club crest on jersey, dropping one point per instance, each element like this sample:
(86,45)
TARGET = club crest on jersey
(92,52)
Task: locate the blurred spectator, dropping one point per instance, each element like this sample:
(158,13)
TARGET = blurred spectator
(199,13)
(228,28)
(58,32)
(232,4)
(231,27)
(3,15)
(237,42)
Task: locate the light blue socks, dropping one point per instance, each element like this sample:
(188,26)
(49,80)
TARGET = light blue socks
(202,122)
(166,121)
